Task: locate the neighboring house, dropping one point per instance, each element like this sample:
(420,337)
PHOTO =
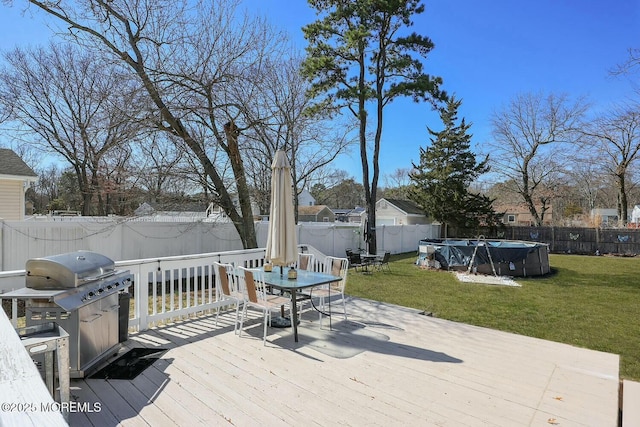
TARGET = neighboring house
(306,199)
(215,213)
(341,214)
(144,210)
(15,178)
(188,210)
(519,215)
(609,217)
(399,212)
(635,216)
(357,215)
(316,213)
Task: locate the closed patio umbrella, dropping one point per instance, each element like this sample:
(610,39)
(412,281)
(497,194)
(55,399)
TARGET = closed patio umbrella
(282,242)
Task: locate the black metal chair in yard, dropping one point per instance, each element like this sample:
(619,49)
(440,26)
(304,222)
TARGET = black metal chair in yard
(356,261)
(384,261)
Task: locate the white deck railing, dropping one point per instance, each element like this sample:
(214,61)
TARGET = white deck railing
(166,289)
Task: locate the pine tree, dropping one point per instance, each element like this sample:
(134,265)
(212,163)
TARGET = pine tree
(440,183)
(360,58)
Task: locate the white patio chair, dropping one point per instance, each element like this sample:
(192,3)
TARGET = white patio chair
(227,290)
(306,262)
(337,267)
(256,296)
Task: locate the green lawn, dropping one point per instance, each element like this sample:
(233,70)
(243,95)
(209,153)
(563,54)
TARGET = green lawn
(587,301)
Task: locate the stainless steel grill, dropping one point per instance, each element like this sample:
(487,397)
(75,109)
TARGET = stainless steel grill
(79,291)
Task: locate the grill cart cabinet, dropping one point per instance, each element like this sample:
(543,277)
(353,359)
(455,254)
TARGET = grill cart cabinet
(79,292)
(48,346)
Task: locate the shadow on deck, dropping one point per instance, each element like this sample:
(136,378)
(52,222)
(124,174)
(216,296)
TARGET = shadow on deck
(385,365)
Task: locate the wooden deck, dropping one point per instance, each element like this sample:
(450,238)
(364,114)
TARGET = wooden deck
(386,366)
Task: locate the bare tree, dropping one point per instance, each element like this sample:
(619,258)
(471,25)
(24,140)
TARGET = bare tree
(46,188)
(66,98)
(396,184)
(188,57)
(310,138)
(631,64)
(588,178)
(116,185)
(615,139)
(328,178)
(397,178)
(160,162)
(527,147)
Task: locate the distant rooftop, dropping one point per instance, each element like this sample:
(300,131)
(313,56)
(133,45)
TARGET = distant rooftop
(406,205)
(12,164)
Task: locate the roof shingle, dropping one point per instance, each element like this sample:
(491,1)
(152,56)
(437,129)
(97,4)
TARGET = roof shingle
(12,164)
(406,205)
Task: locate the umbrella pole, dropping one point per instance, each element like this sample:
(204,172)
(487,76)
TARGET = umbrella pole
(282,306)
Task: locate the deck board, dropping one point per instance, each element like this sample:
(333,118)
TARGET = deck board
(394,367)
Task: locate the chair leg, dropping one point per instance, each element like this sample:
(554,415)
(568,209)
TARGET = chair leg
(267,318)
(235,325)
(323,302)
(244,311)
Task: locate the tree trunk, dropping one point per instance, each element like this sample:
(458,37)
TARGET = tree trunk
(372,240)
(526,195)
(622,201)
(248,234)
(369,198)
(85,190)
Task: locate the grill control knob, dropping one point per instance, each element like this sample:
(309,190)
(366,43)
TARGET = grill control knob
(100,290)
(90,294)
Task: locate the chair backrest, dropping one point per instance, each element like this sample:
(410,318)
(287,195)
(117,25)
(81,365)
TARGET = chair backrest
(223,271)
(253,284)
(354,258)
(386,257)
(306,262)
(337,267)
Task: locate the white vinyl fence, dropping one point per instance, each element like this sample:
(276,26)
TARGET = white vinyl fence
(127,239)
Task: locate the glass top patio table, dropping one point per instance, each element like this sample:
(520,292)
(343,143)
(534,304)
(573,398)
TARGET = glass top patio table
(305,279)
(368,259)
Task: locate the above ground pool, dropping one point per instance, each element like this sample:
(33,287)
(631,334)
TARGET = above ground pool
(496,257)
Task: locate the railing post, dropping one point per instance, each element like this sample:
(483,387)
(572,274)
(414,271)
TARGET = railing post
(14,312)
(141,294)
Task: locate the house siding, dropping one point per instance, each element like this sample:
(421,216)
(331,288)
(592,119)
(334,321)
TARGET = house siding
(389,214)
(11,200)
(317,213)
(413,220)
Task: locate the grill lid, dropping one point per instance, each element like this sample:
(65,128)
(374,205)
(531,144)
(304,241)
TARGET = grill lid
(68,270)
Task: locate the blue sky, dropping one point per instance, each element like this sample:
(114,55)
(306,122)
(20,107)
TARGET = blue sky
(489,51)
(486,51)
